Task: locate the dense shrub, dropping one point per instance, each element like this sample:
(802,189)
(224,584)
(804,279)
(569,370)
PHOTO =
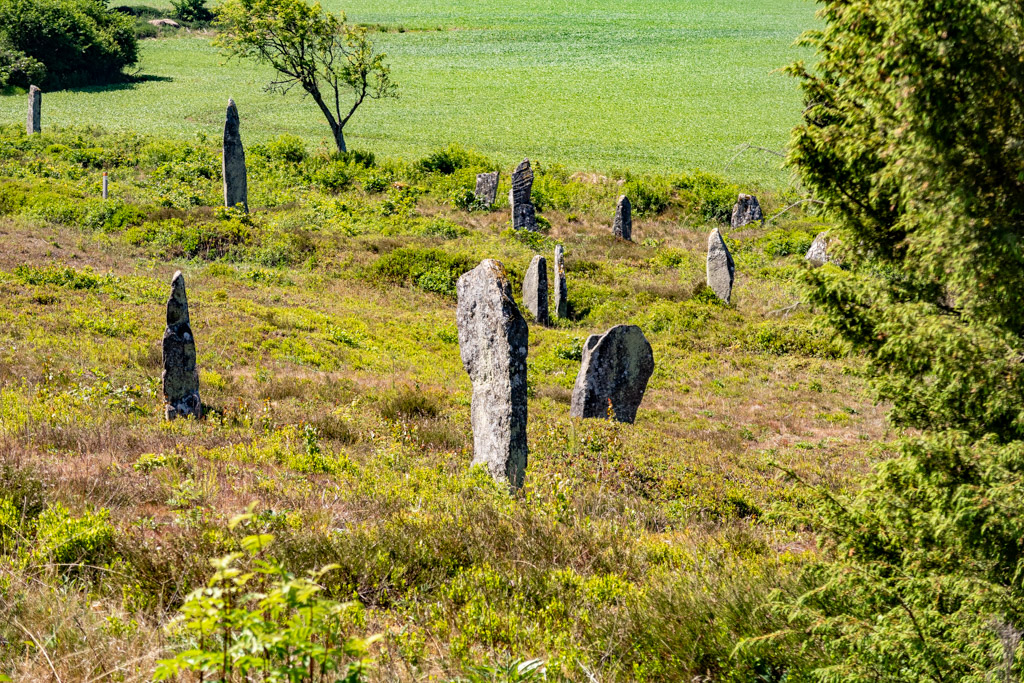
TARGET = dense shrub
(785,242)
(80,41)
(191,11)
(450,159)
(431,270)
(648,196)
(17,68)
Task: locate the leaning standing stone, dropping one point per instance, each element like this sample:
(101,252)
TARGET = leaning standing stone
(493,342)
(236,190)
(561,290)
(180,377)
(623,227)
(613,376)
(721,269)
(35,110)
(747,210)
(487,188)
(520,198)
(818,254)
(535,289)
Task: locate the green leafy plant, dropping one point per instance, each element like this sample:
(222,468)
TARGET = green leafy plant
(263,623)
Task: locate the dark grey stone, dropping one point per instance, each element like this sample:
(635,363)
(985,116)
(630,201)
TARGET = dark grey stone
(747,210)
(561,289)
(623,226)
(524,216)
(721,269)
(236,190)
(180,376)
(35,110)
(535,290)
(615,370)
(487,188)
(493,342)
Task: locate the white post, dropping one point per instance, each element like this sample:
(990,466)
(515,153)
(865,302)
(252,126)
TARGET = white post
(104,184)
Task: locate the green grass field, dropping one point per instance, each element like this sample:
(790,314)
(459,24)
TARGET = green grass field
(602,86)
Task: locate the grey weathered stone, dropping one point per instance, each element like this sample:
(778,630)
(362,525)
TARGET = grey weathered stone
(623,226)
(493,342)
(164,22)
(487,188)
(818,254)
(561,289)
(180,376)
(747,210)
(35,110)
(236,189)
(519,197)
(615,369)
(721,269)
(535,290)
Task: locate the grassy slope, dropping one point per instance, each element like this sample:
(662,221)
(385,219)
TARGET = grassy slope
(604,85)
(636,551)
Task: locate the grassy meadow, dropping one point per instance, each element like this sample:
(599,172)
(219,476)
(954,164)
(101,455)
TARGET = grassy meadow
(661,86)
(338,408)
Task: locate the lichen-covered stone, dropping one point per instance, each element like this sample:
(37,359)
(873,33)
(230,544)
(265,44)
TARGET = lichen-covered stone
(613,375)
(818,254)
(180,375)
(623,226)
(524,215)
(487,188)
(721,269)
(747,210)
(535,289)
(35,110)
(561,288)
(493,342)
(236,189)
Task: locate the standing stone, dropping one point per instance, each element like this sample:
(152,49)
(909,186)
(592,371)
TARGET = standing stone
(747,210)
(487,188)
(35,110)
(493,342)
(721,269)
(561,290)
(180,377)
(236,190)
(818,254)
(623,227)
(535,289)
(616,367)
(519,197)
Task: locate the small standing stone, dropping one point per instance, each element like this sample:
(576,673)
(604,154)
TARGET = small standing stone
(487,188)
(721,269)
(236,190)
(561,290)
(615,370)
(623,227)
(747,210)
(35,110)
(493,342)
(535,289)
(818,254)
(519,197)
(180,376)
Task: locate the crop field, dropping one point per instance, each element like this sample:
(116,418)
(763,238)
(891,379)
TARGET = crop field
(669,85)
(338,408)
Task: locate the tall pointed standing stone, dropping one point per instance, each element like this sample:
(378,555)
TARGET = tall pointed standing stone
(35,110)
(236,189)
(520,197)
(535,290)
(493,342)
(721,269)
(746,210)
(561,290)
(487,188)
(623,227)
(615,370)
(180,376)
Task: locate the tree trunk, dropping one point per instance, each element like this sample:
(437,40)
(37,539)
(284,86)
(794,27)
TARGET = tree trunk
(339,139)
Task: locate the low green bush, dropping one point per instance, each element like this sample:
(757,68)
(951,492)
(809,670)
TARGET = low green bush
(69,541)
(780,242)
(431,270)
(450,159)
